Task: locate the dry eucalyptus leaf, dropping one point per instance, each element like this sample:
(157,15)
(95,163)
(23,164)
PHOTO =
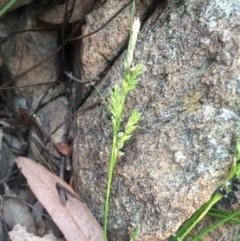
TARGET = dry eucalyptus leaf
(20,233)
(74,218)
(55,13)
(15,212)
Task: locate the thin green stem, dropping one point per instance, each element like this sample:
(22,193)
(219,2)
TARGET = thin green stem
(117,101)
(111,167)
(216,225)
(222,216)
(4,9)
(110,174)
(135,233)
(233,176)
(214,200)
(99,93)
(189,222)
(114,155)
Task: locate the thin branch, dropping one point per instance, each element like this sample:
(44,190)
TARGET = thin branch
(81,110)
(74,78)
(98,29)
(10,174)
(37,139)
(32,68)
(27,204)
(61,175)
(26,86)
(27,30)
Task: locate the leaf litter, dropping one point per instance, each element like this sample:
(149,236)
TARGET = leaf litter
(15,212)
(20,233)
(73,218)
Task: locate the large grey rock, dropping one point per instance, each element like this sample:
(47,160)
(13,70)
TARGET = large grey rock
(189,99)
(19,53)
(23,51)
(54,14)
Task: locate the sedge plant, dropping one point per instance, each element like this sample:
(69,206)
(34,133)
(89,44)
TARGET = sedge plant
(115,106)
(230,185)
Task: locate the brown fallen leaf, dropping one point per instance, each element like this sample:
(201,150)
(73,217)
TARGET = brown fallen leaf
(74,219)
(55,13)
(64,148)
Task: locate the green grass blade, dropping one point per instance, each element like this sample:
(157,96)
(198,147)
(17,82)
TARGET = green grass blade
(135,233)
(4,9)
(217,224)
(195,219)
(222,215)
(110,174)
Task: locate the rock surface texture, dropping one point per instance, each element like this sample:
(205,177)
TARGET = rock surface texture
(55,13)
(99,51)
(100,48)
(189,99)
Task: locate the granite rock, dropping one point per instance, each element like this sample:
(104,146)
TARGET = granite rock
(22,51)
(98,51)
(189,99)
